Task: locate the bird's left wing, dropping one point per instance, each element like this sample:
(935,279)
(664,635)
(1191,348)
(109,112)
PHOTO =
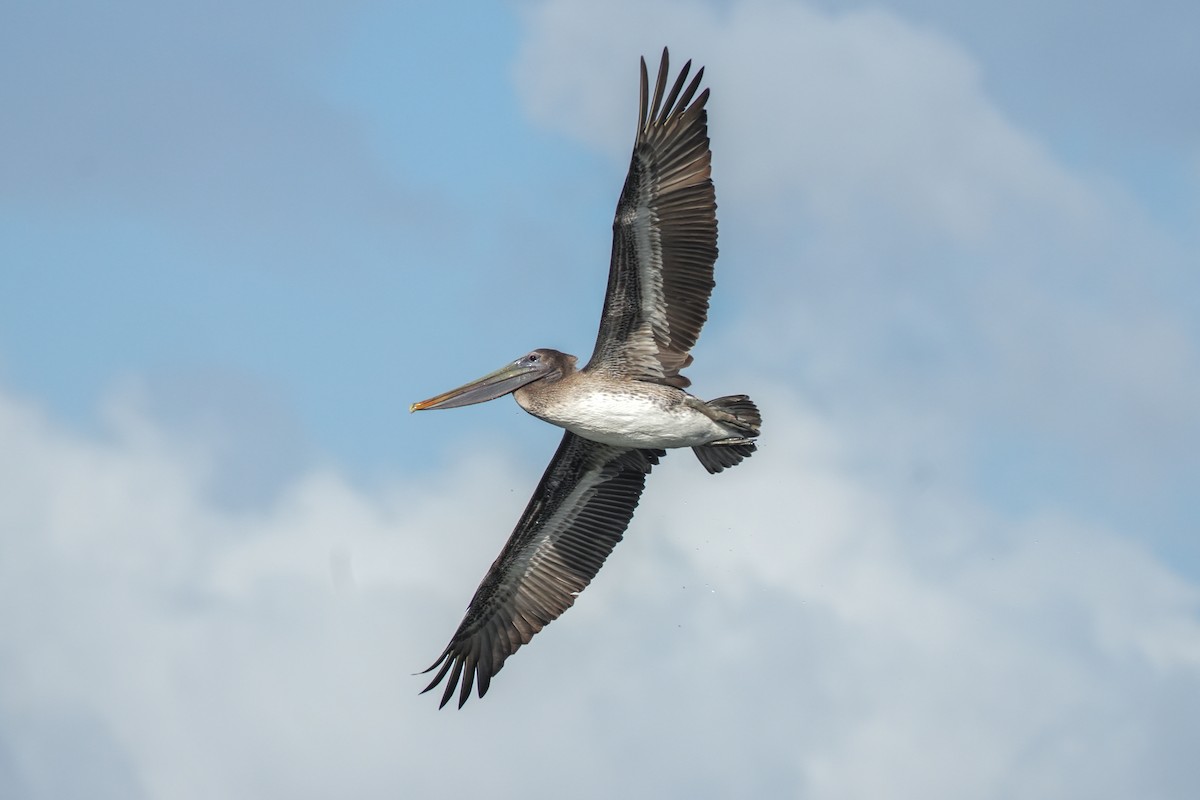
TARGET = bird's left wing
(573,521)
(664,238)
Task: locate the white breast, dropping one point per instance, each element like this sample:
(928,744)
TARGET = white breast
(632,420)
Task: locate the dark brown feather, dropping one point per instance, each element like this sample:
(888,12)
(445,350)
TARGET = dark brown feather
(664,238)
(577,514)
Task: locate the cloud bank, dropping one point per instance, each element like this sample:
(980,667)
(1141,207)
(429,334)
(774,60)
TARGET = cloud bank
(826,634)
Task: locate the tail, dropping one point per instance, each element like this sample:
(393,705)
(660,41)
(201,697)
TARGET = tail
(739,412)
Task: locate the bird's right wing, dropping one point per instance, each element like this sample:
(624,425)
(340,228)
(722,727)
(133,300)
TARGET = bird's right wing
(575,518)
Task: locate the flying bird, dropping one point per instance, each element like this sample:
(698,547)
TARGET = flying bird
(625,408)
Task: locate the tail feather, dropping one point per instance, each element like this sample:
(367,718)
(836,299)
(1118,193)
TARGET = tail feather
(744,416)
(718,457)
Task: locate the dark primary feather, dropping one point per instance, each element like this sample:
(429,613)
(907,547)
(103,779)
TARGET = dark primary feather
(576,516)
(664,238)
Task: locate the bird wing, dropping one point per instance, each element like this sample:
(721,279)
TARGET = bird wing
(573,521)
(664,239)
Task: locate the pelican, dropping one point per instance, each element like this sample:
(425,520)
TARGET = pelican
(625,408)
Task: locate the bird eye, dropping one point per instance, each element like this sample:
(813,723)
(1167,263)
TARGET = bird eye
(533,357)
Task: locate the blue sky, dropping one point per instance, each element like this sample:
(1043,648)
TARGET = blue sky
(958,272)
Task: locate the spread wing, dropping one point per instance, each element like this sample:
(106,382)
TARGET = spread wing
(573,521)
(664,239)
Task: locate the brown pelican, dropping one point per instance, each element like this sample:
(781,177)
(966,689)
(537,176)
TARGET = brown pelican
(622,410)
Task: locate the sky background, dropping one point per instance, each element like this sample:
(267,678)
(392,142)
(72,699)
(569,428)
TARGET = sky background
(958,272)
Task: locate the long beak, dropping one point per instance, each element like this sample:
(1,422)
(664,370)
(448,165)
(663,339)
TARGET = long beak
(504,380)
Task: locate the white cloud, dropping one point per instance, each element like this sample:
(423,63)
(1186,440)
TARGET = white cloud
(794,626)
(839,112)
(911,255)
